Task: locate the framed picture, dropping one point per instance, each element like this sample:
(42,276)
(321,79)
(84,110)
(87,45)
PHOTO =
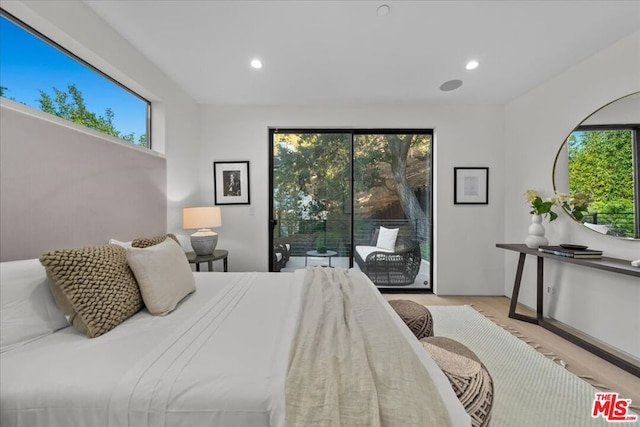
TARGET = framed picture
(471,186)
(231,183)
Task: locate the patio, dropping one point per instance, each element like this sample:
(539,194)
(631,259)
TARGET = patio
(297,262)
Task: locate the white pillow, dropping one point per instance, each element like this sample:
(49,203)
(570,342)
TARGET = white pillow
(387,238)
(125,245)
(28,310)
(163,274)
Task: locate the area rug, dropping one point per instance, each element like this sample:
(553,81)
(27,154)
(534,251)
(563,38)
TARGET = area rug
(530,389)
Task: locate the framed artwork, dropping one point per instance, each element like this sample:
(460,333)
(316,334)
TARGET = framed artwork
(470,186)
(231,183)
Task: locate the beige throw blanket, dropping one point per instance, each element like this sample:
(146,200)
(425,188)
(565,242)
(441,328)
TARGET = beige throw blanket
(350,365)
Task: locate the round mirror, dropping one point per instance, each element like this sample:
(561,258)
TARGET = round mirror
(596,170)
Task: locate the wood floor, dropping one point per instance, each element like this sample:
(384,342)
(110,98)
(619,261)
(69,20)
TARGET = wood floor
(578,360)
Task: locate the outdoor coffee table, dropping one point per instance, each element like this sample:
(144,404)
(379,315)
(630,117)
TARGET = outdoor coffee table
(316,254)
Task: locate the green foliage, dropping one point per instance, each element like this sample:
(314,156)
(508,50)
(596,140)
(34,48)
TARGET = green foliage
(318,165)
(3,93)
(615,214)
(575,204)
(601,163)
(374,157)
(395,164)
(312,177)
(539,206)
(321,246)
(425,250)
(71,106)
(578,213)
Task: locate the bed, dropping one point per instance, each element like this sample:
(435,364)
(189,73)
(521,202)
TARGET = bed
(230,354)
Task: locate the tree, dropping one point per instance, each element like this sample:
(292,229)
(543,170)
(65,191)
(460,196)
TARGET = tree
(312,177)
(601,163)
(4,90)
(71,106)
(391,150)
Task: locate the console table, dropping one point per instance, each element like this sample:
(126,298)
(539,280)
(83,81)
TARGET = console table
(598,348)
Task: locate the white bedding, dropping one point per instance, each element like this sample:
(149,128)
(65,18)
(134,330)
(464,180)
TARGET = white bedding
(353,359)
(220,359)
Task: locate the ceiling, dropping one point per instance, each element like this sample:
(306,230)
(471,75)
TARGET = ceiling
(343,52)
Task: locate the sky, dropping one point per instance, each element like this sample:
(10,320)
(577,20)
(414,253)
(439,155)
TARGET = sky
(29,64)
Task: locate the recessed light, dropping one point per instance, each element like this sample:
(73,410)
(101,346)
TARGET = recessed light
(383,10)
(450,85)
(472,65)
(256,63)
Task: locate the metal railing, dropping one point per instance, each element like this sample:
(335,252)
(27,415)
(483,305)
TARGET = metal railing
(306,235)
(618,223)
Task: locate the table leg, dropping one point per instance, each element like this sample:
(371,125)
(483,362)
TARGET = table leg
(329,261)
(305,260)
(224,264)
(197,266)
(540,287)
(516,291)
(210,265)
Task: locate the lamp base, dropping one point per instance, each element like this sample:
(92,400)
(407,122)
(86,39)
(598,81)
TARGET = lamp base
(204,242)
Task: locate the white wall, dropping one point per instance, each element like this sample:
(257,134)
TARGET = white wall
(467,261)
(175,126)
(601,304)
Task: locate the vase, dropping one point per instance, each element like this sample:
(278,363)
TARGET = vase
(536,237)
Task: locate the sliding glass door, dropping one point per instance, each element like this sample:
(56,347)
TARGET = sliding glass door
(333,190)
(392,183)
(311,199)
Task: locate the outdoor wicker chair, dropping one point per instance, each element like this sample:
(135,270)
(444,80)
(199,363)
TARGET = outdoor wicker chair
(398,268)
(281,255)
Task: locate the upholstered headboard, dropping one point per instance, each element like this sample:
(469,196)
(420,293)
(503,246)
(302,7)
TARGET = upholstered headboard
(62,186)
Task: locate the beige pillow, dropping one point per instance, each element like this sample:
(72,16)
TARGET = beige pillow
(93,287)
(163,274)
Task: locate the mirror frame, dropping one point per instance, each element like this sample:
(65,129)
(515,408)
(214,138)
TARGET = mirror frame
(636,171)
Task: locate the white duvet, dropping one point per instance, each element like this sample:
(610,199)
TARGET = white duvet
(220,359)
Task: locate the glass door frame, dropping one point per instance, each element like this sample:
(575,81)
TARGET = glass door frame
(354,132)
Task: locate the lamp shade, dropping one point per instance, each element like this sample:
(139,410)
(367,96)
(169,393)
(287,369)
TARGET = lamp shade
(203,217)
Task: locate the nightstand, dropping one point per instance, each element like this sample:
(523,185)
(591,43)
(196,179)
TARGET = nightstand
(215,256)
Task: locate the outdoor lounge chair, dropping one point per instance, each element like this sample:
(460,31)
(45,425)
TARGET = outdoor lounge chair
(281,254)
(390,268)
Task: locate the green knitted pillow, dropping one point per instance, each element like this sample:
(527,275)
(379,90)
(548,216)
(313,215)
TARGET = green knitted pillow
(93,286)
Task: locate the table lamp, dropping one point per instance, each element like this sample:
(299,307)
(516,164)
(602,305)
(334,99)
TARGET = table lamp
(203,219)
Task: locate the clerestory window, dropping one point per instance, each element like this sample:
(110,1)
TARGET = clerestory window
(39,73)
